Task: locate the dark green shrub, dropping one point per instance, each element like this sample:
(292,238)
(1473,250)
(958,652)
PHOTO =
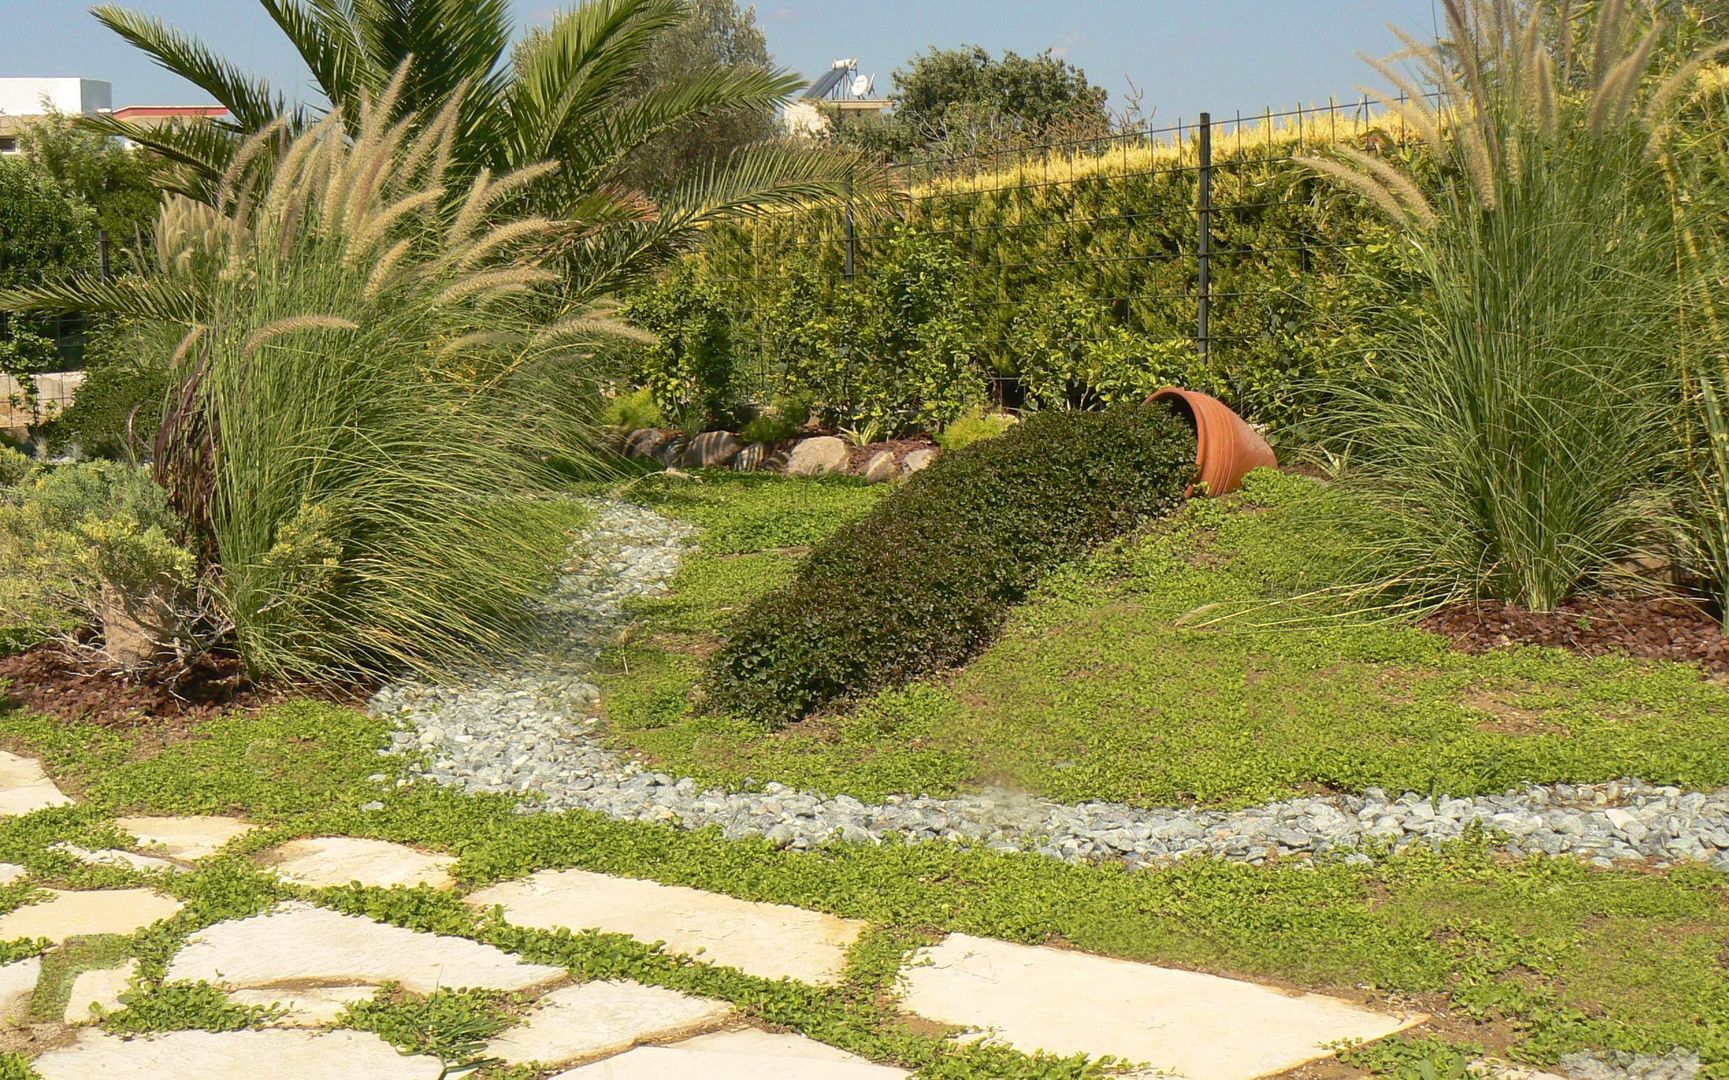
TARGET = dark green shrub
(119,406)
(926,579)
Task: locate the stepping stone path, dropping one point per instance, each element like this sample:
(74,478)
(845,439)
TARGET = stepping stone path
(773,941)
(313,963)
(205,1055)
(1201,1027)
(736,1062)
(124,860)
(17,983)
(94,990)
(78,914)
(185,838)
(298,945)
(760,1043)
(24,787)
(342,860)
(601,1018)
(313,1006)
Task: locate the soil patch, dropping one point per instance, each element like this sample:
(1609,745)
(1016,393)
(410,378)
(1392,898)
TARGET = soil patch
(1664,628)
(49,680)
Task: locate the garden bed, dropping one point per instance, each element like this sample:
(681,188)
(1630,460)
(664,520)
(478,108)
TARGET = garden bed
(1647,628)
(47,679)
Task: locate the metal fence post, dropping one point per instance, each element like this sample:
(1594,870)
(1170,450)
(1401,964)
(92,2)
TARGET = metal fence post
(851,237)
(102,253)
(1204,249)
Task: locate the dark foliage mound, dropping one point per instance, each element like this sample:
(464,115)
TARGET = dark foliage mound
(926,580)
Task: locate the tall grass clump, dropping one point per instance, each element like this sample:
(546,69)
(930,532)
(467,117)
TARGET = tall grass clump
(1697,164)
(369,388)
(1521,423)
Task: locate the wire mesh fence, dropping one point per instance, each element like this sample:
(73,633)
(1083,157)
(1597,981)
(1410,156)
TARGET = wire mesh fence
(1206,239)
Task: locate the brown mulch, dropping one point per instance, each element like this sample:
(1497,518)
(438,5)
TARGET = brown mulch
(859,456)
(50,680)
(1664,628)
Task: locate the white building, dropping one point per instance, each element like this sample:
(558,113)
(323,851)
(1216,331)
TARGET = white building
(23,98)
(836,97)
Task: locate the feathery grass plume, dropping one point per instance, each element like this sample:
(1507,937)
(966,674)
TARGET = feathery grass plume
(359,445)
(1521,428)
(293,324)
(489,283)
(1364,184)
(1402,187)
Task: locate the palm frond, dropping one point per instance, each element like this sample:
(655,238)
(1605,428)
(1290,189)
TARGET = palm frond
(251,100)
(323,35)
(154,297)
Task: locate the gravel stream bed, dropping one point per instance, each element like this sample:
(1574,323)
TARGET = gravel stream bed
(533,732)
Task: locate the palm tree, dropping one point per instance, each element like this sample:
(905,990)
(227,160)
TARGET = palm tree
(568,96)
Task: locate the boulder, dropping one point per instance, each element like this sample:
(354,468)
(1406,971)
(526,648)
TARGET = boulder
(917,461)
(643,442)
(750,458)
(816,456)
(670,452)
(882,467)
(712,450)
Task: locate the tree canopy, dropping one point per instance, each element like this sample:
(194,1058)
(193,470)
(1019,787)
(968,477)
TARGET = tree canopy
(966,100)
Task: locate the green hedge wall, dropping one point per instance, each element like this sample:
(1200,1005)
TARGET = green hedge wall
(1065,282)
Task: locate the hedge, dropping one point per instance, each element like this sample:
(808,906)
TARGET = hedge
(926,579)
(1073,279)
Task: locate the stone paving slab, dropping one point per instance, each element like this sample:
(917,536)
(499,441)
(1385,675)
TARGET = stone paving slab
(205,1055)
(760,1043)
(78,914)
(98,990)
(600,1018)
(121,860)
(313,1006)
(187,838)
(678,1062)
(341,860)
(773,941)
(11,872)
(24,787)
(298,945)
(1197,1026)
(17,984)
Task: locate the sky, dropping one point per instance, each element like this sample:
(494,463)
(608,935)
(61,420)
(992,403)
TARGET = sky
(1184,55)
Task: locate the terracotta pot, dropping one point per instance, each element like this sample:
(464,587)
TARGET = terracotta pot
(1226,447)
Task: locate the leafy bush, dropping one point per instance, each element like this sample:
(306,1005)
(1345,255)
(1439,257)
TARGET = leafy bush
(893,351)
(777,423)
(976,425)
(1069,352)
(633,411)
(95,546)
(14,466)
(688,371)
(926,579)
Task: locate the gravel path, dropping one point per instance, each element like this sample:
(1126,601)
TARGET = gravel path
(533,733)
